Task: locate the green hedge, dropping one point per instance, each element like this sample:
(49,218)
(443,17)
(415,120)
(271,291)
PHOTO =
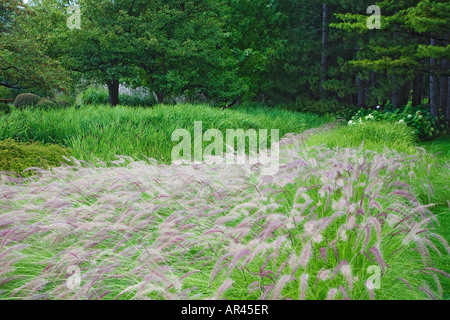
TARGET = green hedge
(24,100)
(4,108)
(18,156)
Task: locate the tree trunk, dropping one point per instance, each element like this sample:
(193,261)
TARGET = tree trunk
(404,95)
(113,89)
(160,97)
(395,98)
(324,58)
(373,100)
(447,113)
(434,85)
(444,87)
(417,90)
(361,96)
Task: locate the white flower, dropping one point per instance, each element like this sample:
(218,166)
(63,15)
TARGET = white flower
(401,121)
(409,116)
(378,107)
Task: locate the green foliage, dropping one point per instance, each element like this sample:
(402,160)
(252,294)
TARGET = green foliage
(4,108)
(399,52)
(419,118)
(63,104)
(24,63)
(94,96)
(6,93)
(326,106)
(24,100)
(46,103)
(18,156)
(102,132)
(7,11)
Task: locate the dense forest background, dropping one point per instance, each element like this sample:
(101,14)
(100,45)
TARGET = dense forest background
(320,54)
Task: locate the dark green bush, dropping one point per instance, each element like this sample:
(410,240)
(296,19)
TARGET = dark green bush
(4,108)
(329,106)
(6,93)
(24,100)
(18,156)
(63,104)
(419,118)
(95,97)
(46,103)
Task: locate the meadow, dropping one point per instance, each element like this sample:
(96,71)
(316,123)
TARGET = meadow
(354,212)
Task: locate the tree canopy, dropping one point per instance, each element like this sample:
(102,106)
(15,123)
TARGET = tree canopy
(227,51)
(24,63)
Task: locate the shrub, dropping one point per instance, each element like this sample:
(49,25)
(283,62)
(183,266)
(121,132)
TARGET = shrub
(6,93)
(330,106)
(93,96)
(63,104)
(46,103)
(419,118)
(24,100)
(18,156)
(4,108)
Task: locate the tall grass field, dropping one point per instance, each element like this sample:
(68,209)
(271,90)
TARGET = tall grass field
(91,207)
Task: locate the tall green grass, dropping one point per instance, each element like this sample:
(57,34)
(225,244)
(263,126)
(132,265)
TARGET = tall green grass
(434,169)
(376,136)
(103,132)
(100,96)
